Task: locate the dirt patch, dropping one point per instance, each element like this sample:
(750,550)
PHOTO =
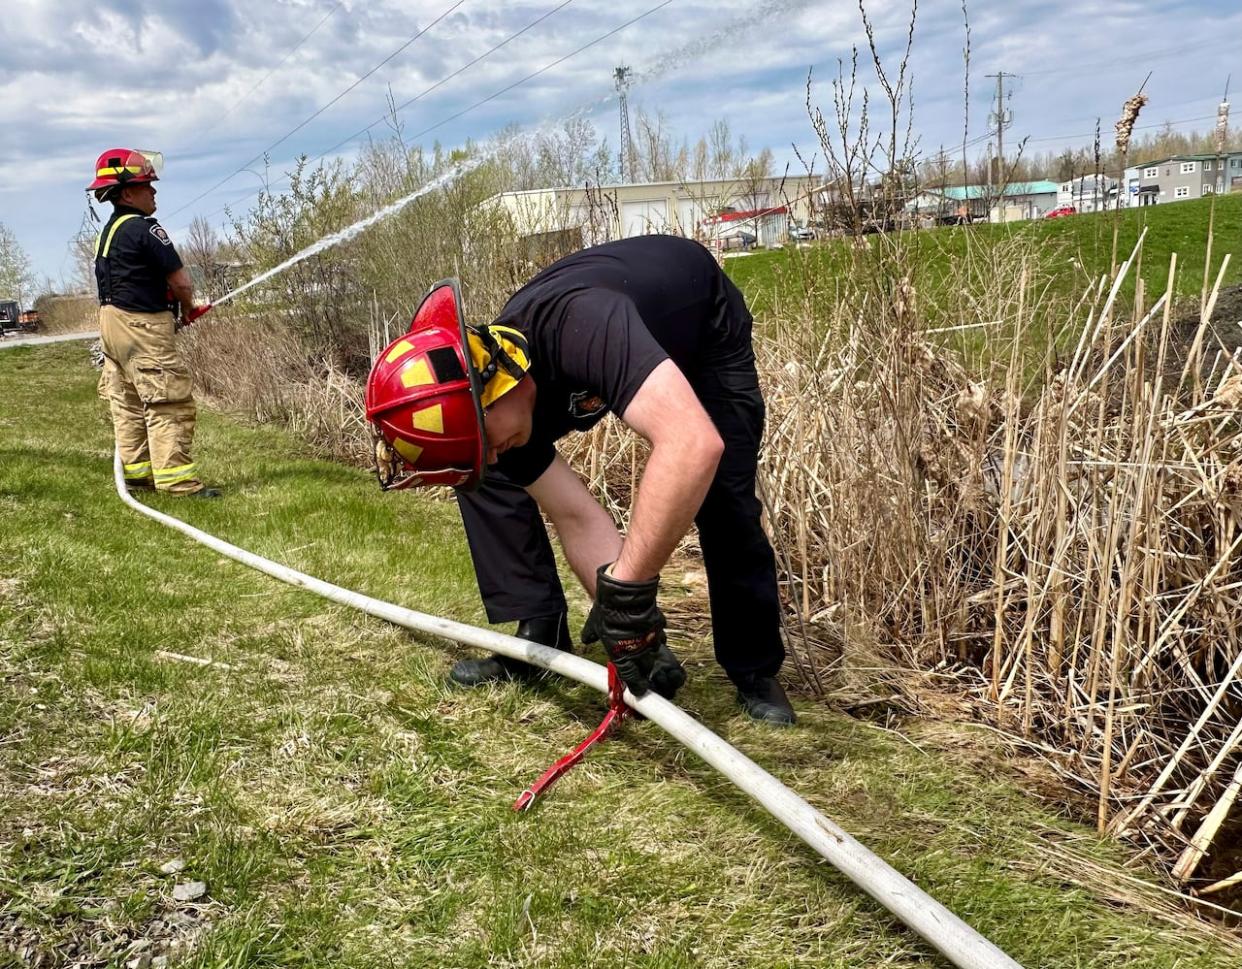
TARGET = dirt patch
(1223,335)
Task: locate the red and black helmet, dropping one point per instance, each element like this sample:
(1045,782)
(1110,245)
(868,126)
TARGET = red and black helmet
(118,167)
(423,400)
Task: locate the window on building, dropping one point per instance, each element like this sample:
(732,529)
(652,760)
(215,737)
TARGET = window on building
(1207,189)
(1188,168)
(1207,164)
(1150,172)
(1182,192)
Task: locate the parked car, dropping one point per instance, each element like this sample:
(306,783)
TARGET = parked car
(801,233)
(737,239)
(1062,210)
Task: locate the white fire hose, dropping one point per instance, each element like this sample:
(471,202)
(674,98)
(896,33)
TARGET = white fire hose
(952,937)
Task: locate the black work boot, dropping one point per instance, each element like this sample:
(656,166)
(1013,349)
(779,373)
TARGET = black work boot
(546,630)
(763,699)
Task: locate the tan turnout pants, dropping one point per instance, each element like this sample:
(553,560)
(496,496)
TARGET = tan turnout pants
(148,387)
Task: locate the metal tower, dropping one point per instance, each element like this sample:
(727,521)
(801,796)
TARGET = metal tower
(621,76)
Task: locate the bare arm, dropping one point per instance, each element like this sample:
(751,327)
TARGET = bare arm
(685,450)
(182,288)
(587,532)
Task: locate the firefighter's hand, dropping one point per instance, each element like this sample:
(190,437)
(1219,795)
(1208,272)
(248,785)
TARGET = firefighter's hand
(193,313)
(627,620)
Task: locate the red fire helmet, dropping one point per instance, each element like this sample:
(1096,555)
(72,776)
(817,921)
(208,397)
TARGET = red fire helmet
(118,167)
(422,400)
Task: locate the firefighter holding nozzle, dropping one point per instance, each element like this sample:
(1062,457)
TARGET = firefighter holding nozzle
(145,380)
(652,330)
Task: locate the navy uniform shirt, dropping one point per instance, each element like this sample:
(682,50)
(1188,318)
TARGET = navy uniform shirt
(600,320)
(133,262)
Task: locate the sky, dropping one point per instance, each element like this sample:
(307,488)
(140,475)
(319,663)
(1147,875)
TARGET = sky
(215,84)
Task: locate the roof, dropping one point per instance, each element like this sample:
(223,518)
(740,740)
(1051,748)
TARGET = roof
(750,214)
(1013,189)
(681,183)
(1204,156)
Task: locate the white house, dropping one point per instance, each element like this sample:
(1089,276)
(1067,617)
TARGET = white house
(1088,193)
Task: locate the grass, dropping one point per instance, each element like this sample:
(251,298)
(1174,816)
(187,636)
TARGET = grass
(1074,251)
(345,807)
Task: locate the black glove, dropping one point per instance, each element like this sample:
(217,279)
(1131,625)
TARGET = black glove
(627,620)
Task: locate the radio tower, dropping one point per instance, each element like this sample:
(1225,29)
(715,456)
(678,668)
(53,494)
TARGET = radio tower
(621,76)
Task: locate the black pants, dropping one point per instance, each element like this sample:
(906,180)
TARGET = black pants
(516,570)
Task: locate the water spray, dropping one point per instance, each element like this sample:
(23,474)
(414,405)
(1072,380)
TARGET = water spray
(659,68)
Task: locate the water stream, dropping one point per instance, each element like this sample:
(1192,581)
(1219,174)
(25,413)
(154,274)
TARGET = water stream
(735,31)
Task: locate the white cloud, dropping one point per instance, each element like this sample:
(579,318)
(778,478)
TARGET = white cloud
(179,75)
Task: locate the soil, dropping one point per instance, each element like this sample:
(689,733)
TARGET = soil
(1224,333)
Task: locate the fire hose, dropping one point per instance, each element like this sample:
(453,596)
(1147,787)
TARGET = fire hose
(943,930)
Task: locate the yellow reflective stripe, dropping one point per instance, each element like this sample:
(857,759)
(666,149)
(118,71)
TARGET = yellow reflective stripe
(135,169)
(140,470)
(169,476)
(107,244)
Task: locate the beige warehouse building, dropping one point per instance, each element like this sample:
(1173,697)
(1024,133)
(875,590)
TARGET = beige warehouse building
(585,216)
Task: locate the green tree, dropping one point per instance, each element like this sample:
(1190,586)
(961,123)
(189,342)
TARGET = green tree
(16,277)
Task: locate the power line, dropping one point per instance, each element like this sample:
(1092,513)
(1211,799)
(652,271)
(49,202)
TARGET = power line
(495,94)
(1132,59)
(321,110)
(263,79)
(1141,127)
(448,77)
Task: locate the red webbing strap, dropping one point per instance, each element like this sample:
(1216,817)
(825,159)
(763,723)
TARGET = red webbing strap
(616,711)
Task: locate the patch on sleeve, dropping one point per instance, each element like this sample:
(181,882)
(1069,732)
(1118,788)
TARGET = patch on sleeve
(585,403)
(159,233)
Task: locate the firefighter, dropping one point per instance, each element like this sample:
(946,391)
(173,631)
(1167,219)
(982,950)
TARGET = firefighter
(145,380)
(652,330)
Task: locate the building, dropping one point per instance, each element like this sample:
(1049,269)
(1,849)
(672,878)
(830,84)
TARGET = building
(763,227)
(1088,193)
(1131,178)
(1188,177)
(1016,202)
(589,215)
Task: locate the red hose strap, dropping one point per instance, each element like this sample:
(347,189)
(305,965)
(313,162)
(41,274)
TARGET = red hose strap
(616,711)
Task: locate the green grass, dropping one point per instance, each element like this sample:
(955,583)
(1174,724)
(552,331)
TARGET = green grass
(347,808)
(1073,250)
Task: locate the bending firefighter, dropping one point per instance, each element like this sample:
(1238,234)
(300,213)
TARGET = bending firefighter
(145,381)
(652,330)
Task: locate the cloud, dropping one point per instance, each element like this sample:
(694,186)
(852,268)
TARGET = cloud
(199,79)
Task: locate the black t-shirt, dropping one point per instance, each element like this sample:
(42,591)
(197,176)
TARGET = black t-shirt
(600,320)
(133,262)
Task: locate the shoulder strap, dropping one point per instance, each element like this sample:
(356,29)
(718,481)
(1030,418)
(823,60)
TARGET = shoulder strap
(105,238)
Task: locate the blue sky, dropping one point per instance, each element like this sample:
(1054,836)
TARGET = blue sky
(211,83)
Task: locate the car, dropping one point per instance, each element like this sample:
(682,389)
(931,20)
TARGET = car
(1060,211)
(801,233)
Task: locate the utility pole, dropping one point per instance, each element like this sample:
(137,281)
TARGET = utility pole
(621,77)
(1000,119)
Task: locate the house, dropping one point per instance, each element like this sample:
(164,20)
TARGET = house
(588,215)
(1189,177)
(1015,202)
(1088,193)
(1131,178)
